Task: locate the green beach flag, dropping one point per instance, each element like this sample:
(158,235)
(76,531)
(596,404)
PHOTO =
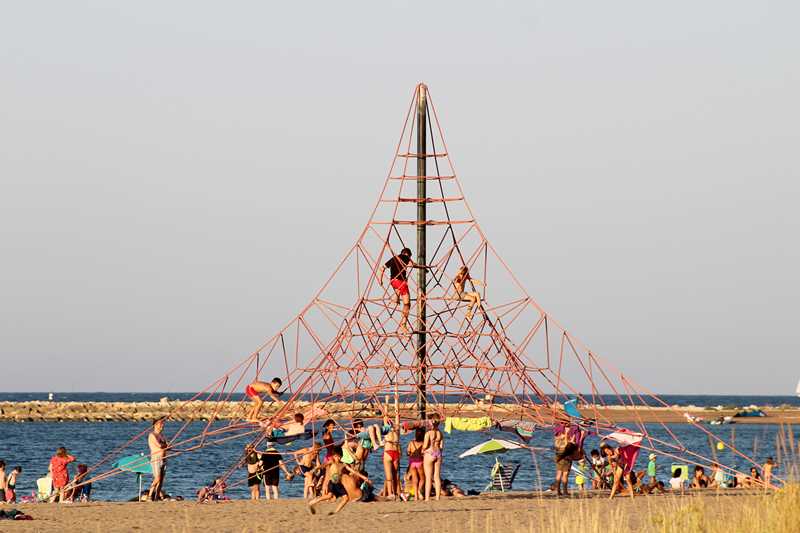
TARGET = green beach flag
(492,446)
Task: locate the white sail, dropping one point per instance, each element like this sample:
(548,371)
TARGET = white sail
(797,390)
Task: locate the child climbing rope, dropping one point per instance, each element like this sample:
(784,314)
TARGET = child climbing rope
(398,266)
(473,298)
(254,391)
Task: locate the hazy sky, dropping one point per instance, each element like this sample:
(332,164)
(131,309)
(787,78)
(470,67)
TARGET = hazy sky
(178,178)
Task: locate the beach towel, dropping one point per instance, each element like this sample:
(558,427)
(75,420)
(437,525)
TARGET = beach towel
(630,442)
(467,424)
(522,429)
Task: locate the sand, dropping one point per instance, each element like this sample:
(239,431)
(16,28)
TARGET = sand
(509,513)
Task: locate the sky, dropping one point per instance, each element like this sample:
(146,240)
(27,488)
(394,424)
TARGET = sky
(177,179)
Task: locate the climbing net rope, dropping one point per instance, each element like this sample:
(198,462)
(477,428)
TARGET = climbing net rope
(346,355)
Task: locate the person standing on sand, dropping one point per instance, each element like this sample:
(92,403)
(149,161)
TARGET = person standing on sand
(271,460)
(651,469)
(59,471)
(767,470)
(252,460)
(11,484)
(3,477)
(158,461)
(415,461)
(432,446)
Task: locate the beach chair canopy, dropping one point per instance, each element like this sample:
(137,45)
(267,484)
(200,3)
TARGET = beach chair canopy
(502,477)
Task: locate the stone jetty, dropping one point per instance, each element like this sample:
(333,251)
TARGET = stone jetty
(50,411)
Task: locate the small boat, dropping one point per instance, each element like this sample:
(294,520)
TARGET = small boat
(797,390)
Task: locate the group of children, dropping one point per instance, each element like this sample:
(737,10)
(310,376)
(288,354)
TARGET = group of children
(600,473)
(334,469)
(8,483)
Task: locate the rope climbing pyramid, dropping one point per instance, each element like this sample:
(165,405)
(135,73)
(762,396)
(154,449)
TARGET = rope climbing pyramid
(422,313)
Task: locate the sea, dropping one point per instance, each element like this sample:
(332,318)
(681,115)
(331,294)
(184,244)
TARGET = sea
(30,445)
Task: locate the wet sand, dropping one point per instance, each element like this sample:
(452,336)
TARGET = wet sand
(509,513)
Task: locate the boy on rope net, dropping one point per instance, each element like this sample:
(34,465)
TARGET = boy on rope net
(472,298)
(398,267)
(254,391)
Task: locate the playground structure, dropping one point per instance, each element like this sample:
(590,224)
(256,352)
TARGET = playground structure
(350,354)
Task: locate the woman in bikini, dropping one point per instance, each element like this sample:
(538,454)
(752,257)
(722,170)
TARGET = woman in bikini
(415,460)
(391,463)
(432,446)
(459,283)
(342,482)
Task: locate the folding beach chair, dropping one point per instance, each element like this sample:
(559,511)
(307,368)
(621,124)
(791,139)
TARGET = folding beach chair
(44,488)
(502,476)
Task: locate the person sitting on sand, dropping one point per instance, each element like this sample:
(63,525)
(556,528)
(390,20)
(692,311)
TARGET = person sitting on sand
(753,480)
(473,297)
(769,466)
(676,481)
(309,460)
(451,489)
(271,461)
(60,472)
(158,461)
(717,477)
(254,391)
(342,482)
(82,491)
(432,446)
(699,478)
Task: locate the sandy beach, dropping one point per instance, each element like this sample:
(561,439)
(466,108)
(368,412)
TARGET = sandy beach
(509,513)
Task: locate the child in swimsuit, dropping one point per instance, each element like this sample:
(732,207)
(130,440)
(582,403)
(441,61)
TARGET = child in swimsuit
(391,463)
(309,460)
(415,469)
(254,391)
(341,480)
(473,298)
(432,446)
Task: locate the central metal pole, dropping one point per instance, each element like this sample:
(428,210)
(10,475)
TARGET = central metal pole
(421,327)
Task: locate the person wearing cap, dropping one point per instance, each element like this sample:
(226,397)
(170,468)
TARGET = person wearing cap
(398,267)
(651,469)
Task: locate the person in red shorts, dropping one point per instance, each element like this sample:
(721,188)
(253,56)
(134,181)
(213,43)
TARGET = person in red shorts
(254,391)
(398,267)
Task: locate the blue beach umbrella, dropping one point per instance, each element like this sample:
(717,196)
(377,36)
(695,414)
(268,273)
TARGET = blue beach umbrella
(137,464)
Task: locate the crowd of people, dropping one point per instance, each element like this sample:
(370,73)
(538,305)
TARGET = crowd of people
(55,486)
(611,467)
(333,469)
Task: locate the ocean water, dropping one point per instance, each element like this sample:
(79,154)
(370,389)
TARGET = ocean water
(31,445)
(700,400)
